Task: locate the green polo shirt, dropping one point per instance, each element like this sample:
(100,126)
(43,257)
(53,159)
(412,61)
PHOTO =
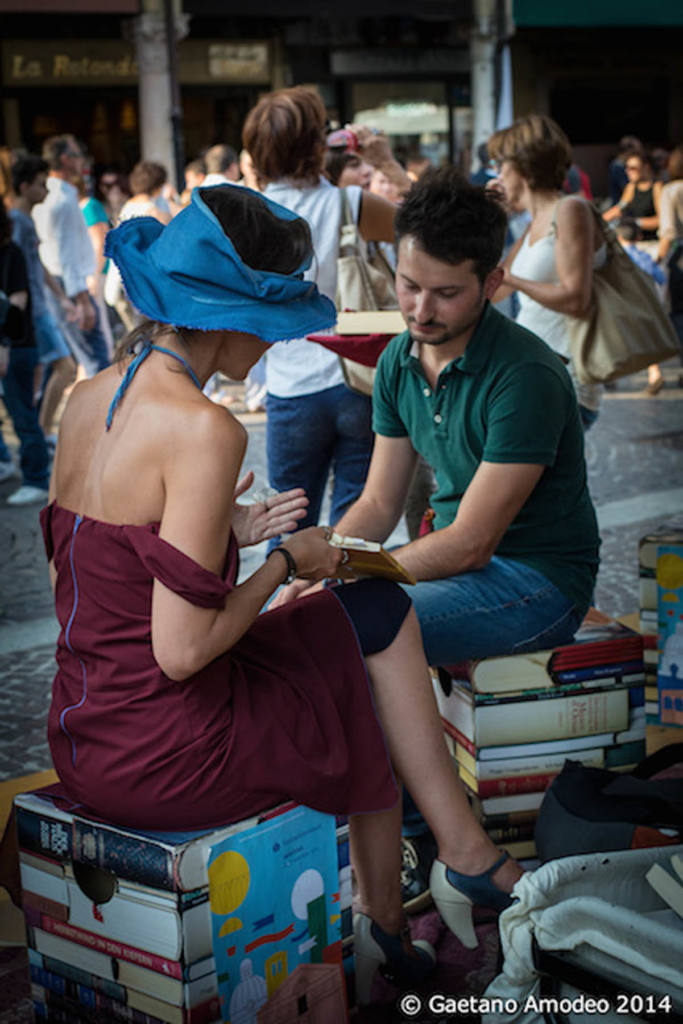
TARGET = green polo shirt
(509,398)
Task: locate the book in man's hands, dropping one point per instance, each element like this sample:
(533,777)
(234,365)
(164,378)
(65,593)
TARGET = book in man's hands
(368,558)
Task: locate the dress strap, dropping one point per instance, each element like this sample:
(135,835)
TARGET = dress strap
(133,368)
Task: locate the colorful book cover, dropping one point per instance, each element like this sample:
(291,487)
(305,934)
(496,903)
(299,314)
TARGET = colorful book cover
(275,902)
(670,623)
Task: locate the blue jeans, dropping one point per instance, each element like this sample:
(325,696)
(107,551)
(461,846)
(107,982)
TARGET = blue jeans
(5,453)
(18,388)
(308,436)
(504,608)
(49,339)
(588,417)
(89,348)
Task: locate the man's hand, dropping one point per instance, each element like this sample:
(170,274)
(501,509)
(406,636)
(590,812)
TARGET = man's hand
(4,360)
(279,513)
(72,313)
(88,317)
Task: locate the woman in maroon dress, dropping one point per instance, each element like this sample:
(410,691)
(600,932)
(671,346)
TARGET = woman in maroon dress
(176,704)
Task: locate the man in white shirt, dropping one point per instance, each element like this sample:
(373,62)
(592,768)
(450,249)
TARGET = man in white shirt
(66,249)
(222,166)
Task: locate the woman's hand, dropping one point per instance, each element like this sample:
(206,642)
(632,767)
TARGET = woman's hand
(279,513)
(315,557)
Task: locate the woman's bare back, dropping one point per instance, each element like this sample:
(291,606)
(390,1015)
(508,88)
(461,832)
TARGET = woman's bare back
(117,475)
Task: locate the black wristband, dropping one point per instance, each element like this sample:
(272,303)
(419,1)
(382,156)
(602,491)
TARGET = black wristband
(291,564)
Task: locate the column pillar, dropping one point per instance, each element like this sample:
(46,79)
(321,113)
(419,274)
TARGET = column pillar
(154,91)
(483,74)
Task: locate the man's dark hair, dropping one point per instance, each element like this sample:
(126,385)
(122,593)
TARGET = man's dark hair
(55,147)
(453,221)
(219,158)
(25,168)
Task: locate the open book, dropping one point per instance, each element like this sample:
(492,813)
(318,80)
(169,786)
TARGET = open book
(374,321)
(368,558)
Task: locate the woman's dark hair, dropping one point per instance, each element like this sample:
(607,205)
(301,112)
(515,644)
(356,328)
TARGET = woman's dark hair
(285,135)
(262,240)
(453,221)
(147,176)
(537,147)
(336,161)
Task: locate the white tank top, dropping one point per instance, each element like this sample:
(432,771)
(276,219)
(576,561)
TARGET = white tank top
(303,367)
(537,263)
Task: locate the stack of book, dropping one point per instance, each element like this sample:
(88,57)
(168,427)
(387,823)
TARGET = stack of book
(123,925)
(511,722)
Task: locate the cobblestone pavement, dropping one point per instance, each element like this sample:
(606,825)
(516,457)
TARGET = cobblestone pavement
(635,466)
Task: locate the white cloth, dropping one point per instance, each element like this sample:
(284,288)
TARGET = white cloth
(601,907)
(215,179)
(303,367)
(537,263)
(137,208)
(65,246)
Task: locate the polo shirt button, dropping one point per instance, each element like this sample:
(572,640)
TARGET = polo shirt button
(426,392)
(437,418)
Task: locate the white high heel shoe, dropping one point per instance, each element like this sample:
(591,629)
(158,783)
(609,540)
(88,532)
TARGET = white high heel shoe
(455,894)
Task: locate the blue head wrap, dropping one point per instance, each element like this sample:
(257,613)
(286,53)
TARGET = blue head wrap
(189,274)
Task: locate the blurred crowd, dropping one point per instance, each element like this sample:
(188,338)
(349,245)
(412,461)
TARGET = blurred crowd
(57,208)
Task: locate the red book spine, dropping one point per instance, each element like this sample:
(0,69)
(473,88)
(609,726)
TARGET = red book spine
(457,735)
(110,947)
(514,784)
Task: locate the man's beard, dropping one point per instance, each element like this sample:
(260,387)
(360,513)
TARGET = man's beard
(448,334)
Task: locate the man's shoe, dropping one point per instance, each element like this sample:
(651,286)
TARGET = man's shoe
(28,495)
(7,471)
(418,853)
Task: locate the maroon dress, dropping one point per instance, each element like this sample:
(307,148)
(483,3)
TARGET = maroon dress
(287,713)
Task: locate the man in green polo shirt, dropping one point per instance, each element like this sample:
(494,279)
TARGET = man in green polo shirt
(511,561)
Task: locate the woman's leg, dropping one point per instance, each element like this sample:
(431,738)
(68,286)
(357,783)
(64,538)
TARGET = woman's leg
(375,841)
(407,710)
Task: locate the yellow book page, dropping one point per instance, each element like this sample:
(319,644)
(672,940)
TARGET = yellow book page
(368,558)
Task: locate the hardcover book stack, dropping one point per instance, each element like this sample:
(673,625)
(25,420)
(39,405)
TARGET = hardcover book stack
(668,534)
(511,722)
(123,924)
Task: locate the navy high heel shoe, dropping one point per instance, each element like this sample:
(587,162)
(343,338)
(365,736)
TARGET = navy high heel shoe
(455,894)
(374,948)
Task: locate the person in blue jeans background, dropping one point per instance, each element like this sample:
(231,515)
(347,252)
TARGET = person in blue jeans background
(18,362)
(315,425)
(511,561)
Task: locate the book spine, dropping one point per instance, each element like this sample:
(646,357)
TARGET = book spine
(579,675)
(514,784)
(582,714)
(512,833)
(131,857)
(459,737)
(634,683)
(89,1006)
(39,833)
(509,819)
(58,968)
(110,947)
